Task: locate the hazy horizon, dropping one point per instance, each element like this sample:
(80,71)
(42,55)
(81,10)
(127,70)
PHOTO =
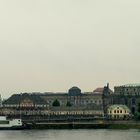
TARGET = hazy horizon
(52,45)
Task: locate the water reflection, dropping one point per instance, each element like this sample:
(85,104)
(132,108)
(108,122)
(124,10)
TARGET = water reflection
(71,135)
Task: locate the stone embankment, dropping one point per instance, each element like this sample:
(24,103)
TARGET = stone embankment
(98,124)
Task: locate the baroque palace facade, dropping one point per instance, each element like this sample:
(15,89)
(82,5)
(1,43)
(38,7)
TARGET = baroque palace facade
(74,102)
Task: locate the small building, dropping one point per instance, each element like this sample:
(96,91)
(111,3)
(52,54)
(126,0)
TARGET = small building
(118,112)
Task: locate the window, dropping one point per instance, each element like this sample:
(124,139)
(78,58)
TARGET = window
(126,101)
(133,101)
(114,111)
(134,89)
(120,111)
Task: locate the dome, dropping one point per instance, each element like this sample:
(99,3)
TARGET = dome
(74,91)
(75,88)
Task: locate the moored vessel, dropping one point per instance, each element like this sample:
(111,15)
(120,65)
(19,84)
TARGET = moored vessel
(9,124)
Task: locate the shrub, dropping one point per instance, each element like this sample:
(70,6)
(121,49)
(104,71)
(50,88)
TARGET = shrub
(56,103)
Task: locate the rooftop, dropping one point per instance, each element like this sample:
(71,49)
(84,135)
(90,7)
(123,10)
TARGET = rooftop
(17,98)
(119,105)
(132,85)
(98,90)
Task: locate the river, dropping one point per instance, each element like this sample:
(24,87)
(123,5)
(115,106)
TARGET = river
(87,134)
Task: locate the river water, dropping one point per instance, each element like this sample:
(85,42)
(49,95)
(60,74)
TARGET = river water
(91,134)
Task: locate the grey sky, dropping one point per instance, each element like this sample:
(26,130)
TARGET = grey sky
(51,45)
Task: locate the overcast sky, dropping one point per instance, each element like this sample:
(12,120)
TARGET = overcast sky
(52,45)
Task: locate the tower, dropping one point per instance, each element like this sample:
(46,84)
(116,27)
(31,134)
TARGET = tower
(0,101)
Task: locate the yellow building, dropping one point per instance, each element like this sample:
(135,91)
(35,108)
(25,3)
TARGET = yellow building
(118,112)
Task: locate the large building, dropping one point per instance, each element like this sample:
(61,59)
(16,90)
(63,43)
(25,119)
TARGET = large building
(128,95)
(74,100)
(74,96)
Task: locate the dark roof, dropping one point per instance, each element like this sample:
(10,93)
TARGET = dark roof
(74,88)
(17,98)
(74,91)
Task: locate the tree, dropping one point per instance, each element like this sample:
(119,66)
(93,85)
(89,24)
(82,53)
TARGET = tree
(68,104)
(56,103)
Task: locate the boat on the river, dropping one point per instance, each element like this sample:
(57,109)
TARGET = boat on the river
(6,124)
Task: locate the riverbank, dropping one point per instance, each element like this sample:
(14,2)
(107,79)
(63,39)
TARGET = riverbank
(85,125)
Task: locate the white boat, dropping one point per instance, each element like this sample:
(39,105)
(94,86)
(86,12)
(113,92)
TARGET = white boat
(10,123)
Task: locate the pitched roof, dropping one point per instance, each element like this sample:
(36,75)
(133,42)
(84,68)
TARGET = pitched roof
(119,105)
(98,90)
(17,98)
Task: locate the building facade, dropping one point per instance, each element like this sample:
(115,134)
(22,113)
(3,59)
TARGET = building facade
(96,101)
(128,95)
(118,112)
(74,101)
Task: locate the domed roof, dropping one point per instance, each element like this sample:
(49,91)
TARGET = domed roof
(74,87)
(74,91)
